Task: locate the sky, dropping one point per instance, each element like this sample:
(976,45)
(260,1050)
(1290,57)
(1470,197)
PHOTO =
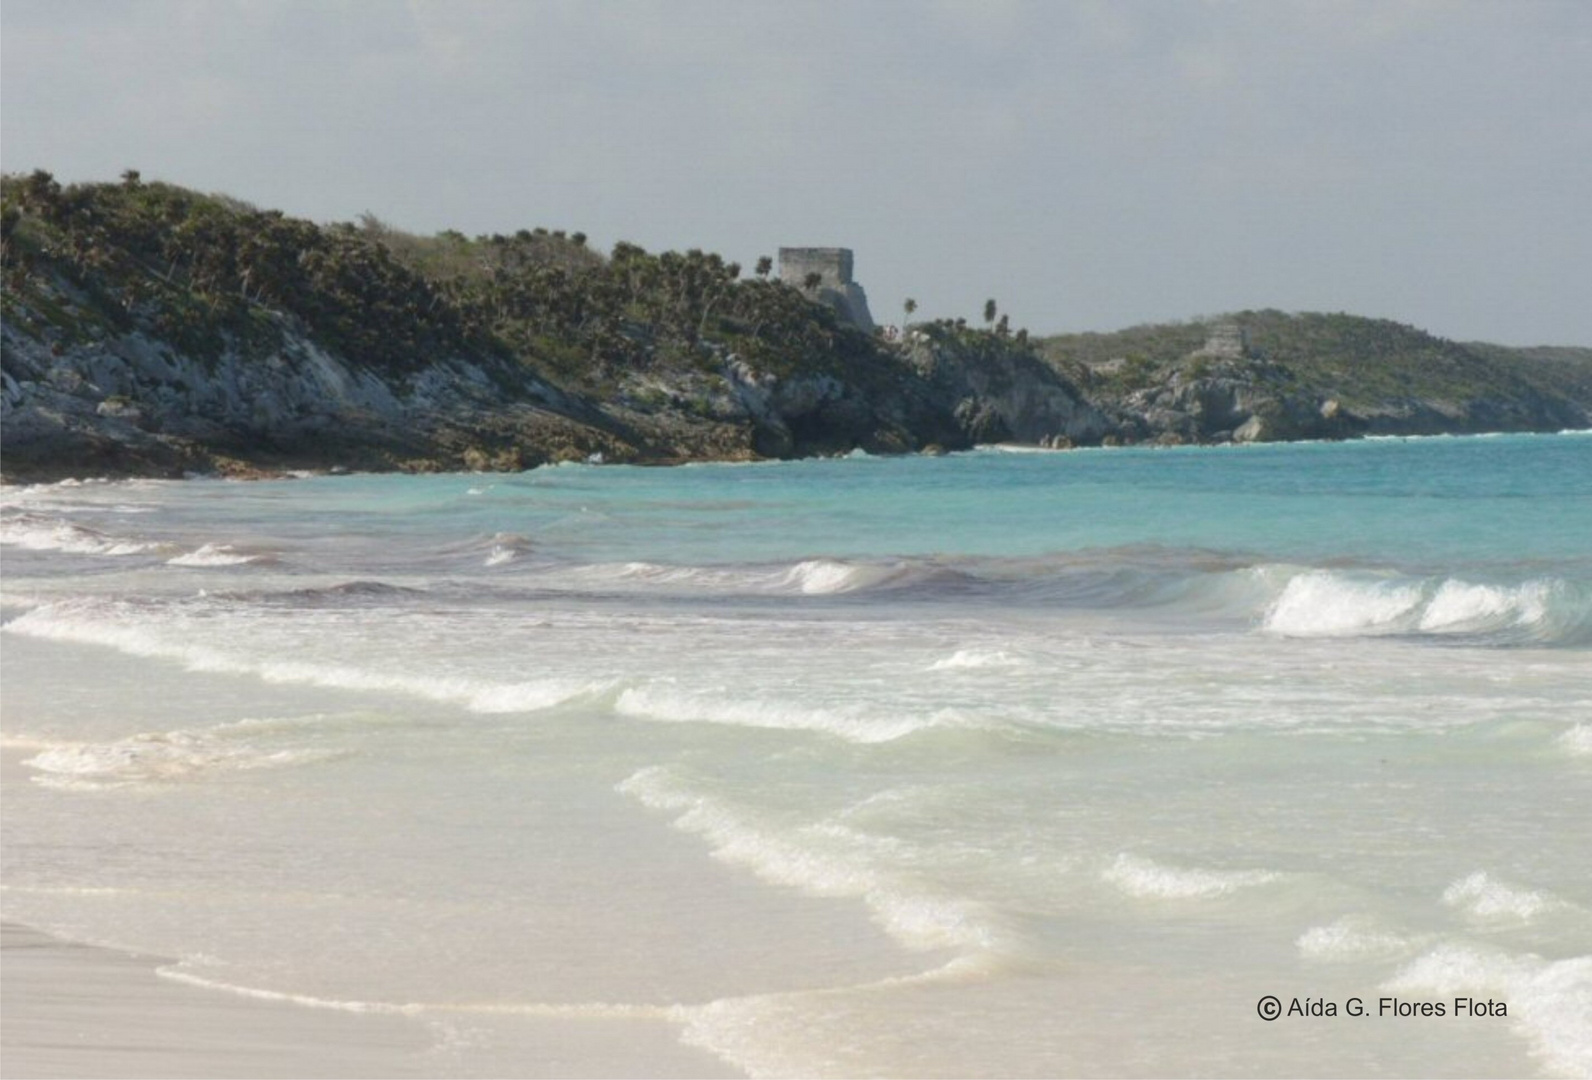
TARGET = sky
(1088,164)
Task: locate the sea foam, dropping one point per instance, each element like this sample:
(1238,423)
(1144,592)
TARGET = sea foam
(506,547)
(1140,877)
(664,701)
(162,757)
(1459,606)
(1577,741)
(94,622)
(822,859)
(1485,897)
(212,555)
(1550,1002)
(822,576)
(33,532)
(964,659)
(810,577)
(1325,603)
(1351,938)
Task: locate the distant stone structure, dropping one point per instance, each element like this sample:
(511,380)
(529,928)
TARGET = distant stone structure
(835,287)
(1225,341)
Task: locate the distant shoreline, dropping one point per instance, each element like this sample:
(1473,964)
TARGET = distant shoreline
(66,476)
(151,330)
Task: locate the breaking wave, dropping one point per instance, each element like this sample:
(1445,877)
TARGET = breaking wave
(1327,603)
(1201,581)
(1549,1001)
(500,548)
(1140,877)
(163,758)
(1281,600)
(852,722)
(818,859)
(965,659)
(1577,741)
(35,532)
(1485,897)
(212,555)
(1352,938)
(86,622)
(810,577)
(342,594)
(825,576)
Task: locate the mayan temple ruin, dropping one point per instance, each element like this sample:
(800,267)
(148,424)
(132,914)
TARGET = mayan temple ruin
(1226,340)
(835,287)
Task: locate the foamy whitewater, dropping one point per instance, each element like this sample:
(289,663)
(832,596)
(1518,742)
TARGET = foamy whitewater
(992,764)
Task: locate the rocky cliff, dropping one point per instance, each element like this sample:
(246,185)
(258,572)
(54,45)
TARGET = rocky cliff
(1267,376)
(151,330)
(80,395)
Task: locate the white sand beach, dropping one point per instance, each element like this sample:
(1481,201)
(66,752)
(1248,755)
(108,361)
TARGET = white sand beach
(74,1010)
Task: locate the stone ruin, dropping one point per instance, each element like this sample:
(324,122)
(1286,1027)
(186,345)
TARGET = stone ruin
(1225,341)
(835,287)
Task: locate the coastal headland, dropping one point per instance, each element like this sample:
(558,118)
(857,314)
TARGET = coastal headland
(150,330)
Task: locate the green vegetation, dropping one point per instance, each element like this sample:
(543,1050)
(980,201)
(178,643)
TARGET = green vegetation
(201,271)
(209,273)
(638,355)
(1094,358)
(1566,371)
(1363,363)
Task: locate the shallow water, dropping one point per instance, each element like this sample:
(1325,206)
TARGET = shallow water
(991,764)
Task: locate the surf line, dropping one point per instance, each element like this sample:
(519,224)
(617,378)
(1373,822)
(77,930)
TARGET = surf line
(595,1010)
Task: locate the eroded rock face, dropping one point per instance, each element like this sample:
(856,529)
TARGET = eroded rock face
(1320,377)
(1005,394)
(76,402)
(133,404)
(1218,395)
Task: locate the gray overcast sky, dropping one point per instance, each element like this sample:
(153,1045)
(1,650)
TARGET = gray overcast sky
(1089,164)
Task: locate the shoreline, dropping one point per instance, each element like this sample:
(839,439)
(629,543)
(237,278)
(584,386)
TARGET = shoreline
(251,472)
(70,1009)
(941,828)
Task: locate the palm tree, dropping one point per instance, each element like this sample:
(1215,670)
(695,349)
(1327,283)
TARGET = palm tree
(989,311)
(41,193)
(908,308)
(765,266)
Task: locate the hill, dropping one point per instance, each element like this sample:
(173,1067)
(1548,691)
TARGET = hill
(1319,376)
(149,329)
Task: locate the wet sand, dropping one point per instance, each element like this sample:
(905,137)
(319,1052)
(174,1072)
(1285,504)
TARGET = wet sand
(74,1010)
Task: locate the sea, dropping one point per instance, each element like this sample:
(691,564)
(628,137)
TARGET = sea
(1251,760)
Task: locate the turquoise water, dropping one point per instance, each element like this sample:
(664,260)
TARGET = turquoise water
(1396,502)
(1001,763)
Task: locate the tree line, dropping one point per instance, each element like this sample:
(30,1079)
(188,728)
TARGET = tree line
(209,272)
